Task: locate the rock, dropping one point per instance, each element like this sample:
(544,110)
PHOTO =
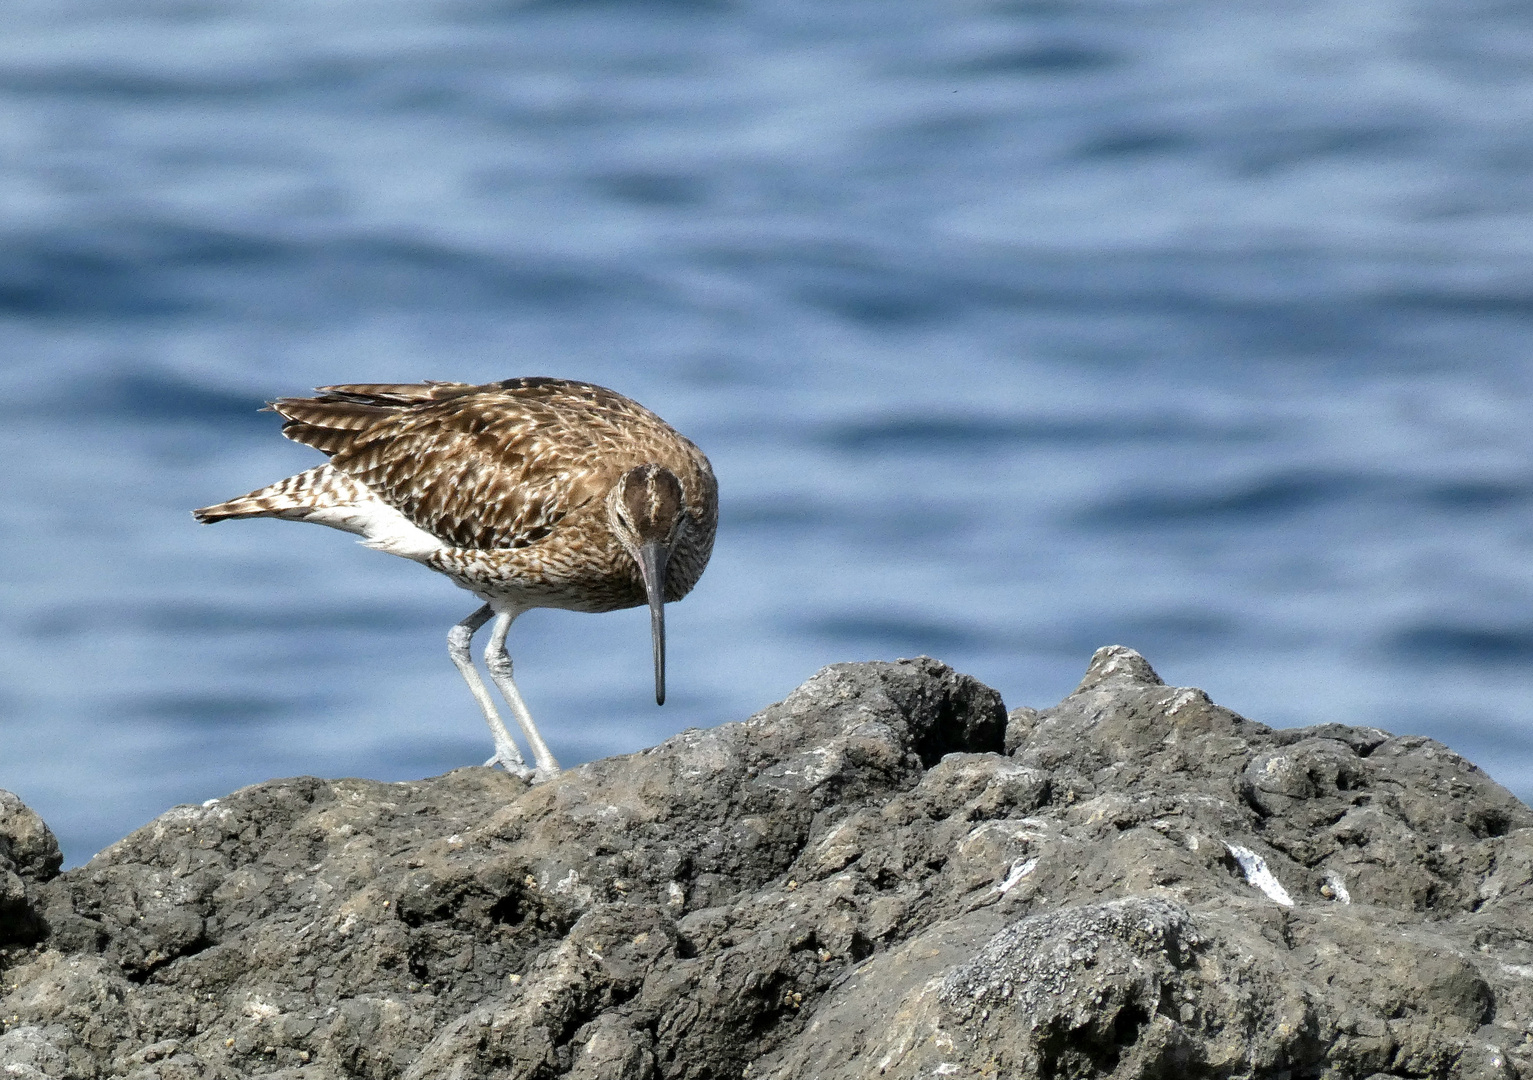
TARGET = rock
(882,876)
(29,855)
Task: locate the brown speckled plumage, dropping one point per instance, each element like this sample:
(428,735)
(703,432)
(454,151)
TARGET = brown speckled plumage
(513,489)
(511,477)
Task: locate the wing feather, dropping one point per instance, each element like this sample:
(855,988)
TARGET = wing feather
(489,466)
(393,393)
(496,469)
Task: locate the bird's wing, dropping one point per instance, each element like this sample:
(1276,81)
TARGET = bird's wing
(333,418)
(481,467)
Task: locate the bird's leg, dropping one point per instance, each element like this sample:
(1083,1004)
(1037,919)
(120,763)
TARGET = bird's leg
(499,662)
(458,640)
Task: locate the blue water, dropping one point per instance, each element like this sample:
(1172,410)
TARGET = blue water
(1012,330)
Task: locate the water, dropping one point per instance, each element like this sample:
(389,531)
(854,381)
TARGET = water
(1012,330)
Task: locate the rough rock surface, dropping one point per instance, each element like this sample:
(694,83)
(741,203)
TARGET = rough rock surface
(882,876)
(29,855)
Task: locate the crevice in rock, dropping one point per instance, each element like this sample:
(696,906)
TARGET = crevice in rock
(141,975)
(1490,822)
(509,910)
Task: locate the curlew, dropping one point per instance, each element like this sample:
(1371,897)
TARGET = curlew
(528,493)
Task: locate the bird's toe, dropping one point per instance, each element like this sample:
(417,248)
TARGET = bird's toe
(515,766)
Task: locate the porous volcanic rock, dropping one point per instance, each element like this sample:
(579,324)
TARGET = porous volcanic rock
(882,876)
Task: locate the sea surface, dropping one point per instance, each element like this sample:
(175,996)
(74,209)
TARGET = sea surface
(1012,329)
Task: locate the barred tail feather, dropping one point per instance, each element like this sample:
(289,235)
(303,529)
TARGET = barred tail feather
(246,506)
(294,498)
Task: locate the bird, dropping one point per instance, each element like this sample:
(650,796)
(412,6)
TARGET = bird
(528,492)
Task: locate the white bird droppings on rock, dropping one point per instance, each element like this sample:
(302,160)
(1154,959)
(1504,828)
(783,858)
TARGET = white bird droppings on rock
(1019,870)
(1257,873)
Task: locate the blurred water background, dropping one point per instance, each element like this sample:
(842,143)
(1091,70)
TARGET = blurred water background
(1012,329)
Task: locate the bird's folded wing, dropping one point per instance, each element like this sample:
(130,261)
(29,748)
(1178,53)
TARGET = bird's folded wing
(479,472)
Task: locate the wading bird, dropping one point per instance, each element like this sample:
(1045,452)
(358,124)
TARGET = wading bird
(528,493)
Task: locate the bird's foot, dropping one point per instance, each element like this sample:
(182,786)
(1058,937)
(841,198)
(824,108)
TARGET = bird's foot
(514,765)
(541,774)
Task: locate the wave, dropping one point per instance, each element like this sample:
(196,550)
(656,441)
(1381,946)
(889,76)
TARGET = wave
(1450,643)
(149,270)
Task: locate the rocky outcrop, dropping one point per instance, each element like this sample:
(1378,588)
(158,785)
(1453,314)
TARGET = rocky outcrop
(882,876)
(29,855)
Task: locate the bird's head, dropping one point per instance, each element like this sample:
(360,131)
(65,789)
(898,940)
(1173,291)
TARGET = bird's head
(647,512)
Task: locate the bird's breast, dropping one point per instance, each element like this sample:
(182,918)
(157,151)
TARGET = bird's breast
(584,570)
(580,567)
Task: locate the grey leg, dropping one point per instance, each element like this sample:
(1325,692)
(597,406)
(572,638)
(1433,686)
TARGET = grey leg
(499,662)
(458,640)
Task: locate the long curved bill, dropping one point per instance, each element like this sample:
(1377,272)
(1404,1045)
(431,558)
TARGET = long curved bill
(653,558)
